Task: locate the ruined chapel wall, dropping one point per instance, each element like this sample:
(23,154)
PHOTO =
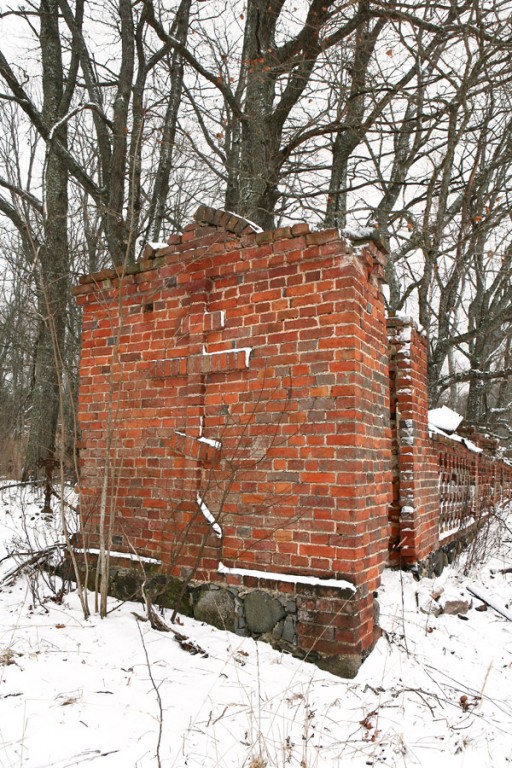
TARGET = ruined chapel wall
(247,375)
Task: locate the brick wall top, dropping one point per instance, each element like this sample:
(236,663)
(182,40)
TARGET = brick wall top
(488,445)
(212,226)
(231,222)
(399,322)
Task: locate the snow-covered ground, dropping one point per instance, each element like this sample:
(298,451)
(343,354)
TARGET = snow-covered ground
(436,691)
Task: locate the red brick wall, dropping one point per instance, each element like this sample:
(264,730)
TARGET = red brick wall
(245,377)
(414,515)
(441,488)
(247,371)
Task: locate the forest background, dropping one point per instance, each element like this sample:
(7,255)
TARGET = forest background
(119,117)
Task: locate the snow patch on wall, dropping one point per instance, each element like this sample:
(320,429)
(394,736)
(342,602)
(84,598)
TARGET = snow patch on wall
(208,516)
(208,441)
(126,555)
(256,227)
(444,418)
(247,351)
(155,245)
(358,233)
(457,528)
(412,322)
(291,578)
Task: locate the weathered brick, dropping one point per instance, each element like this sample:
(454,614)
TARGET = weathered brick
(287,445)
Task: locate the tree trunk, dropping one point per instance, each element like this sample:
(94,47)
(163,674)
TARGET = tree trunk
(348,139)
(259,144)
(158,205)
(52,260)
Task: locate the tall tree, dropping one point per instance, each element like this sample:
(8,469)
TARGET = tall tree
(48,250)
(262,79)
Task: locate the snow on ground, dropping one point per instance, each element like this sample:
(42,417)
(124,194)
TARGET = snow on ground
(117,694)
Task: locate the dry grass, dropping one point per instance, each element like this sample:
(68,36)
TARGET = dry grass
(258,762)
(7,657)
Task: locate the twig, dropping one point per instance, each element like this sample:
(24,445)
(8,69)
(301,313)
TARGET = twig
(34,559)
(158,698)
(64,501)
(18,485)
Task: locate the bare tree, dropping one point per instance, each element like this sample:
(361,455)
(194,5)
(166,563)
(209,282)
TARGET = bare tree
(264,77)
(89,138)
(439,167)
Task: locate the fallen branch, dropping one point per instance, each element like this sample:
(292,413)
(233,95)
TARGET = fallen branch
(160,625)
(491,601)
(34,559)
(18,485)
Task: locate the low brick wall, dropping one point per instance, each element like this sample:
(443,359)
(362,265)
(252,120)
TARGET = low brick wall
(471,486)
(443,487)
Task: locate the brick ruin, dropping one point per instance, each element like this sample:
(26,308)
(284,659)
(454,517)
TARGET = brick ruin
(240,433)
